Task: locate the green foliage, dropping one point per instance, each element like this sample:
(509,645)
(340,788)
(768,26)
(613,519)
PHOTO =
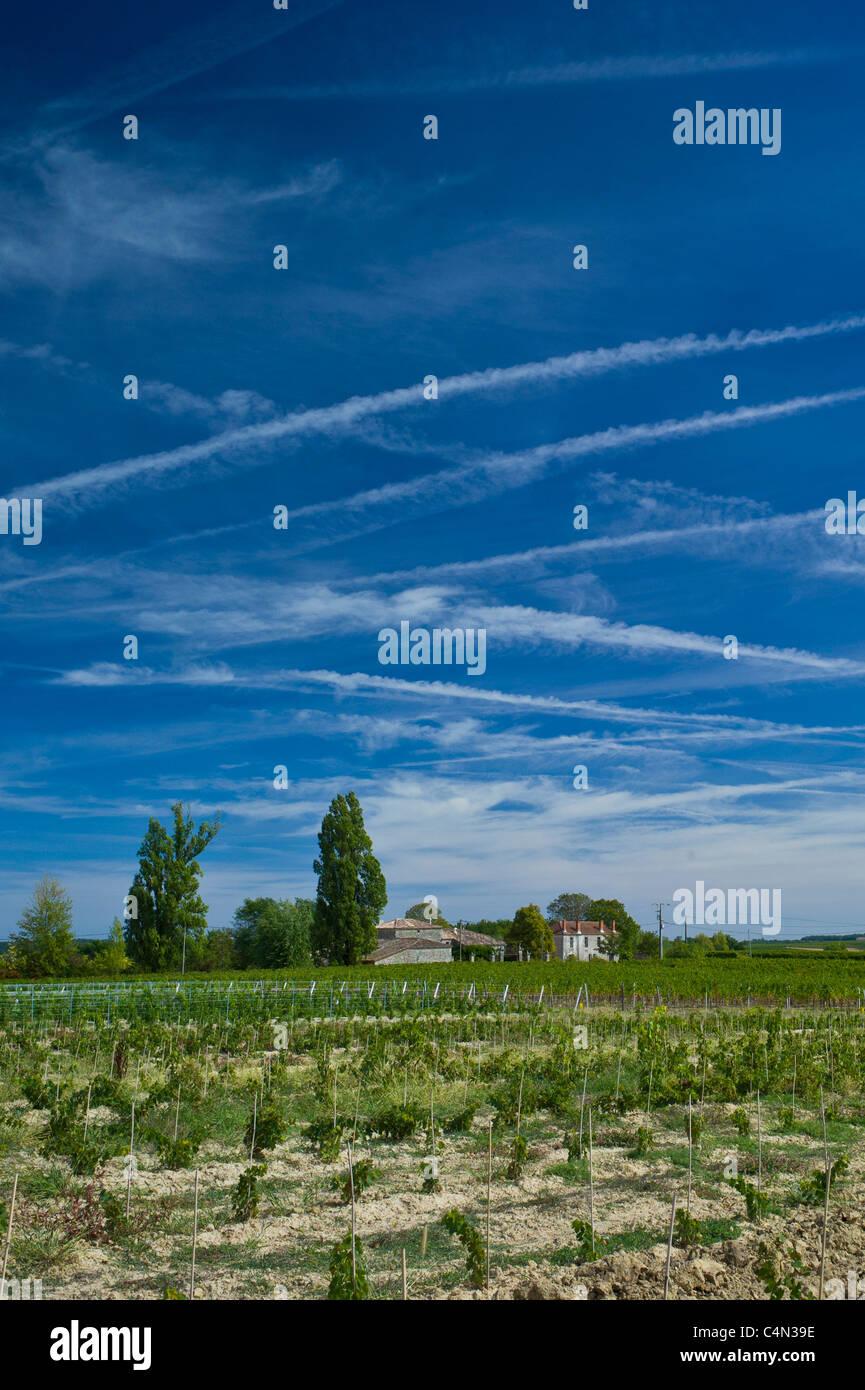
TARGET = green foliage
(396,1122)
(416,913)
(469,1238)
(517,1159)
(740,1119)
(165,890)
(351,888)
(267,1126)
(362,1174)
(44,943)
(629,939)
(244,1195)
(271,934)
(65,1138)
(781,1279)
(110,957)
(345,1285)
(693,1124)
(461,1122)
(587,1249)
(171,1292)
(813,1188)
(531,930)
(644,1140)
(569,907)
(575,1142)
(326,1138)
(37,1091)
(688,1229)
(176,1153)
(757,1203)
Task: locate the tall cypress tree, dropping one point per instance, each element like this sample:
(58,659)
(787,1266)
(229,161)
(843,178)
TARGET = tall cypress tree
(351,888)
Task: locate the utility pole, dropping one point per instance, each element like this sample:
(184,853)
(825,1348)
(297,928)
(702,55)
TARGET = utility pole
(659,906)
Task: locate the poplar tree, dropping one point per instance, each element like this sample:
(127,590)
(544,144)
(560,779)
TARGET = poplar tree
(351,889)
(167,904)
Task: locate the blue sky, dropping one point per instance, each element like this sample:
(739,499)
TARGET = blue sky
(301,388)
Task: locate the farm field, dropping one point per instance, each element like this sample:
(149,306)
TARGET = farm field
(568,1131)
(788,981)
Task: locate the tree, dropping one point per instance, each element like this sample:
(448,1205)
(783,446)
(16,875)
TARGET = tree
(417,914)
(569,907)
(271,934)
(501,927)
(610,910)
(530,930)
(167,903)
(44,943)
(218,950)
(351,888)
(110,957)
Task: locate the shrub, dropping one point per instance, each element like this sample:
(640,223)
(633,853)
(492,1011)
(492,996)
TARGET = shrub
(517,1160)
(244,1196)
(267,1127)
(696,1127)
(343,1285)
(37,1092)
(461,1122)
(326,1138)
(813,1188)
(644,1140)
(688,1229)
(176,1153)
(396,1122)
(469,1238)
(362,1174)
(756,1203)
(778,1281)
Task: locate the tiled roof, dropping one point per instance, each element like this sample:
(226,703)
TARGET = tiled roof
(470,938)
(584,928)
(400,923)
(403,943)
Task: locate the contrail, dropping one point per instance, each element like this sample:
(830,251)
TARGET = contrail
(185,54)
(497,473)
(86,486)
(636,67)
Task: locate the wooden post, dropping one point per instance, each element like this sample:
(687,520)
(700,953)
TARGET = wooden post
(591,1184)
(759,1146)
(489,1195)
(353,1255)
(825,1227)
(670,1247)
(129,1163)
(194,1239)
(690,1148)
(87,1111)
(404,1279)
(8,1239)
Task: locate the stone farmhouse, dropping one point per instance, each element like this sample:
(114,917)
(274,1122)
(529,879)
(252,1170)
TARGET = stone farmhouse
(407,941)
(581,940)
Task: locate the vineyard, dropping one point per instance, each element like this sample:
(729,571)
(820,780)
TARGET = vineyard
(341,991)
(498,1149)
